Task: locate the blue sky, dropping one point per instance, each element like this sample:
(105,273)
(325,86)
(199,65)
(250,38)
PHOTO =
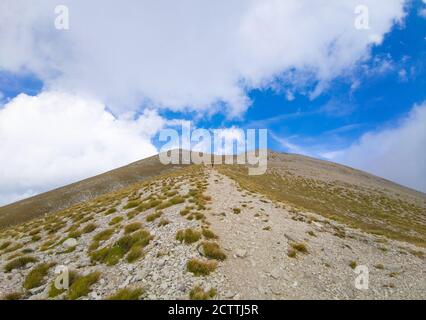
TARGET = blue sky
(296,68)
(390,83)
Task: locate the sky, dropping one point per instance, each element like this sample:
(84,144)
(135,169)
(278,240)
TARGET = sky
(337,80)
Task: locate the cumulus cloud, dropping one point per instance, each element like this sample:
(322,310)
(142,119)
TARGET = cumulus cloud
(56,138)
(189,54)
(397,153)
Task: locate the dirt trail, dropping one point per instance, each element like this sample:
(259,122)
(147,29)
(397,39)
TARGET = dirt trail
(257,241)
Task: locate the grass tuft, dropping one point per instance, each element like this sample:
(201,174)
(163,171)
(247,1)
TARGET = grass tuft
(197,293)
(201,268)
(132,227)
(81,286)
(188,236)
(127,294)
(213,251)
(19,263)
(36,276)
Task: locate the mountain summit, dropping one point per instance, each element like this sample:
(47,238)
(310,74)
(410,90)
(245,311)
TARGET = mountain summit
(305,229)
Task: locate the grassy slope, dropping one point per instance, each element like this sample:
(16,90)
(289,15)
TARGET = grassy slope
(346,195)
(82,191)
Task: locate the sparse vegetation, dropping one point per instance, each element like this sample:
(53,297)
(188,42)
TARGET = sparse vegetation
(200,267)
(213,251)
(134,243)
(153,216)
(110,211)
(132,227)
(291,253)
(300,247)
(54,292)
(197,293)
(353,264)
(36,276)
(127,294)
(19,262)
(236,210)
(89,228)
(104,235)
(163,222)
(208,234)
(136,251)
(188,236)
(17,295)
(81,286)
(116,220)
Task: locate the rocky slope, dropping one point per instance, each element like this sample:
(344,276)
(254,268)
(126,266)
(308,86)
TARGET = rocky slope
(202,232)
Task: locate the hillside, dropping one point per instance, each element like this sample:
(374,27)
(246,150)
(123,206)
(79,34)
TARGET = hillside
(204,232)
(82,191)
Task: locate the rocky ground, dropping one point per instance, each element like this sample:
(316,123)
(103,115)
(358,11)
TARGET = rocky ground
(264,250)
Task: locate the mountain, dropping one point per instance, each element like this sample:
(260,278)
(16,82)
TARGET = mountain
(175,232)
(81,191)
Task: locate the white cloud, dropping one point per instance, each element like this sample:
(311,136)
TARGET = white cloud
(187,54)
(55,138)
(397,154)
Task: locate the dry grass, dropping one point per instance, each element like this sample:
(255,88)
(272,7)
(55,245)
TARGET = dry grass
(200,267)
(188,236)
(132,227)
(212,250)
(163,222)
(89,228)
(115,220)
(19,262)
(197,293)
(17,295)
(81,286)
(208,234)
(37,275)
(127,294)
(236,210)
(375,210)
(300,247)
